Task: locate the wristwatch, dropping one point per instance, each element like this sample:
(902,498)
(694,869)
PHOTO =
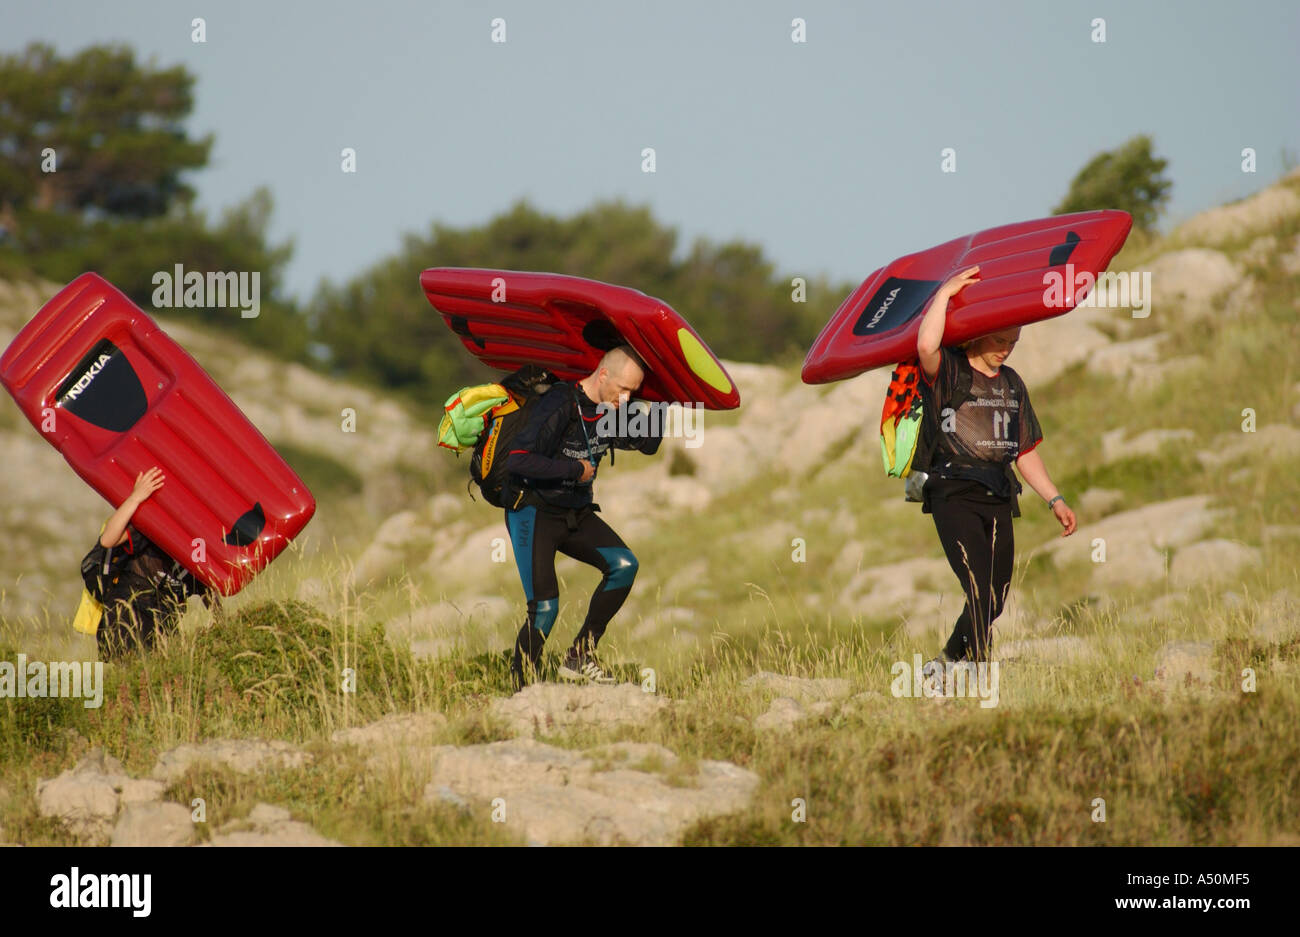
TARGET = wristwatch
(1054,500)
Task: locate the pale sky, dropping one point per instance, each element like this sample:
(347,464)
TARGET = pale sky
(827,153)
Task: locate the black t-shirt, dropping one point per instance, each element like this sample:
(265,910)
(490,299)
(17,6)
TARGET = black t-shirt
(994,428)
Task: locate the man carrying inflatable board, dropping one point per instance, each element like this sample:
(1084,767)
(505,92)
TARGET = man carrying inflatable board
(134,590)
(593,345)
(970,490)
(548,503)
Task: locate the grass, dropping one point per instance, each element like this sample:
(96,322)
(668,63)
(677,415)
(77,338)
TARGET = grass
(1174,765)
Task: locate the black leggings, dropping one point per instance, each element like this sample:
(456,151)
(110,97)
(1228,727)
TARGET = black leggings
(536,534)
(984,568)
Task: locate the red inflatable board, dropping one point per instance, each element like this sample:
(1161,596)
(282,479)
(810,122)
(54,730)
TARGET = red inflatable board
(103,383)
(507,319)
(878,324)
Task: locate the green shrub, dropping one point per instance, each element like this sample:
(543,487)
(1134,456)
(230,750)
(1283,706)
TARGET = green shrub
(291,657)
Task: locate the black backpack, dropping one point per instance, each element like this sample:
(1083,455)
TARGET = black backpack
(487,466)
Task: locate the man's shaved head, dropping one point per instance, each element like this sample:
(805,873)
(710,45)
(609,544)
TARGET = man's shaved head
(617,377)
(618,357)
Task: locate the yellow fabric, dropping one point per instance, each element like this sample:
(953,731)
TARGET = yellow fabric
(490,447)
(90,611)
(472,397)
(889,443)
(466,414)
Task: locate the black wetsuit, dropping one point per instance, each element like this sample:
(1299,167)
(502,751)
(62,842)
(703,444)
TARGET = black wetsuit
(142,589)
(549,510)
(971,491)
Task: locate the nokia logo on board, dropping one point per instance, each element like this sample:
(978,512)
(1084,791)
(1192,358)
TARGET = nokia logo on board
(894,304)
(75,391)
(104,390)
(881,311)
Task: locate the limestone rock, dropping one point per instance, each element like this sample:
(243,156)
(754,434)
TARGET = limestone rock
(1098,502)
(141,791)
(1063,649)
(1291,260)
(553,707)
(1134,540)
(245,756)
(784,713)
(1273,441)
(1262,212)
(393,730)
(1186,283)
(444,506)
(85,803)
(154,824)
(881,588)
(1279,617)
(1115,447)
(267,825)
(460,551)
(1181,661)
(1150,376)
(1160,609)
(86,797)
(394,739)
(664,619)
(1122,359)
(1211,560)
(386,551)
(800,688)
(553,796)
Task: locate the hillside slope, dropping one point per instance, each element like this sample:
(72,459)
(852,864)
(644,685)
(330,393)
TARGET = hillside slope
(783,584)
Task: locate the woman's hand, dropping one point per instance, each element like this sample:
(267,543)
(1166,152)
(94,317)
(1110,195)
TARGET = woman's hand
(146,483)
(959,281)
(1065,516)
(930,336)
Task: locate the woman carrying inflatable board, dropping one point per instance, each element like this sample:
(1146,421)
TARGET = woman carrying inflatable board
(970,490)
(910,306)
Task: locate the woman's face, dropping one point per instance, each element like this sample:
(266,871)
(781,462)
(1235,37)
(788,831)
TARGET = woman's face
(995,348)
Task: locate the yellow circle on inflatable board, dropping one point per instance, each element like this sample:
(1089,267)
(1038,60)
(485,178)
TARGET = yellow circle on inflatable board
(701,362)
